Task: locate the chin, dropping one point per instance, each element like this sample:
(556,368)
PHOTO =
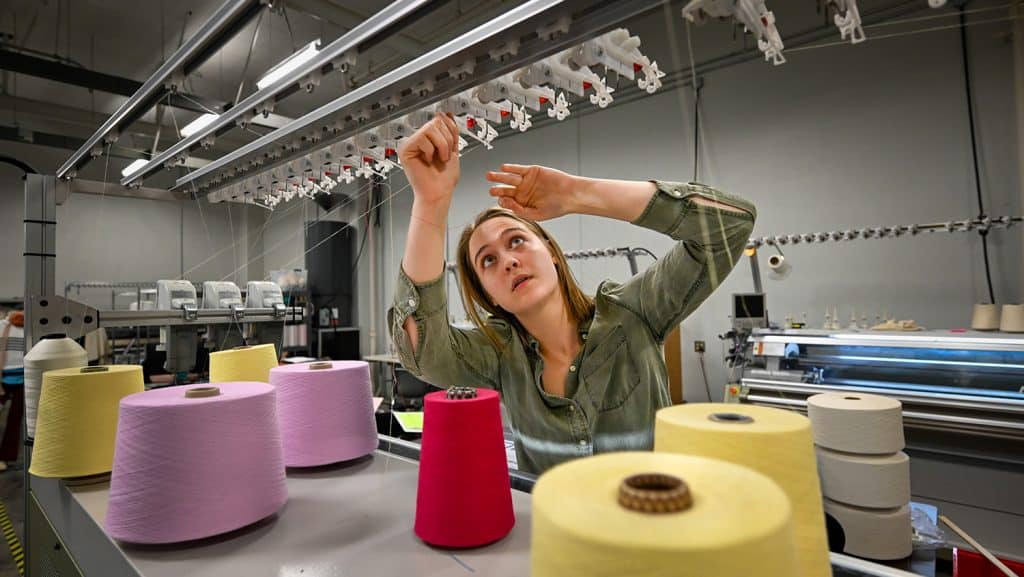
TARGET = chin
(531,298)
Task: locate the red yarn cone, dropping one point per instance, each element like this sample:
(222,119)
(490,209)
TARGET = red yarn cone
(464,497)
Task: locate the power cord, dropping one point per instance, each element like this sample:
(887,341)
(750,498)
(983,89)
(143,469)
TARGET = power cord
(704,373)
(983,231)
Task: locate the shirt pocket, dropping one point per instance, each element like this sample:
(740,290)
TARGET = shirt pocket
(609,371)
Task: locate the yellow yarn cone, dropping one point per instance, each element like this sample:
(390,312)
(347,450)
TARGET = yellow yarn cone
(774,442)
(243,364)
(737,522)
(77,422)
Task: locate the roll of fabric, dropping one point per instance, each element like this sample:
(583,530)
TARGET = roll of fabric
(627,514)
(464,497)
(880,534)
(857,423)
(249,363)
(875,481)
(77,420)
(774,442)
(52,352)
(325,410)
(195,461)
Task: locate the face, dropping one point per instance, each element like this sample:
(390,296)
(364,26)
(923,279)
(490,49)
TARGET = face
(514,265)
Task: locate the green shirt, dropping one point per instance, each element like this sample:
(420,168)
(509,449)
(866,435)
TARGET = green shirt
(619,380)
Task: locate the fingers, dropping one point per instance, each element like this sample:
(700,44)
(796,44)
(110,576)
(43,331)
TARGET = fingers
(511,204)
(453,129)
(440,141)
(505,178)
(515,168)
(503,191)
(426,149)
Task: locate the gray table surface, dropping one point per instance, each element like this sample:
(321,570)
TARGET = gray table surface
(347,520)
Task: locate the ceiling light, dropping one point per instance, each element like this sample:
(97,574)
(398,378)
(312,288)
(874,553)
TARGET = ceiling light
(288,65)
(134,166)
(198,124)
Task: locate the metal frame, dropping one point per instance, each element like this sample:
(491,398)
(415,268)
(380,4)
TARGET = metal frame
(221,27)
(398,14)
(334,121)
(923,339)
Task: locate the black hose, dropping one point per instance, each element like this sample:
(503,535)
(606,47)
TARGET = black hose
(24,167)
(974,152)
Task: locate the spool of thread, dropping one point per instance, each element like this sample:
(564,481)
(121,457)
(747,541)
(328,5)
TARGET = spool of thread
(881,534)
(464,497)
(985,317)
(78,419)
(1012,319)
(875,481)
(294,335)
(325,410)
(857,423)
(250,363)
(195,461)
(774,442)
(625,514)
(778,268)
(51,353)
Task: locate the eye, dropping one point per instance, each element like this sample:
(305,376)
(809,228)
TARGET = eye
(486,261)
(516,241)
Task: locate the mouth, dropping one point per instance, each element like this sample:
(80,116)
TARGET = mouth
(519,281)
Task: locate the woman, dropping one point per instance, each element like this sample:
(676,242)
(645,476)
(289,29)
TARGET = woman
(12,346)
(579,375)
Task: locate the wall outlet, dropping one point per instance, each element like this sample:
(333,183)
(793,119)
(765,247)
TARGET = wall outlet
(698,346)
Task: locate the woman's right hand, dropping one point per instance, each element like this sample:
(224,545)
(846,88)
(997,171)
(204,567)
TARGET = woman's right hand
(430,159)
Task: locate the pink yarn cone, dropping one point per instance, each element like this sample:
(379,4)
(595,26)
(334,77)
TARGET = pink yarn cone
(325,410)
(189,467)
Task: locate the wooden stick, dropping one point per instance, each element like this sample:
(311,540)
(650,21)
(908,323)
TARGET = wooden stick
(999,564)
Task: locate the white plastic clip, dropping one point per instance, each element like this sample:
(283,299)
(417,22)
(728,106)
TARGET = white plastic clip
(848,21)
(559,108)
(576,81)
(520,118)
(346,175)
(476,129)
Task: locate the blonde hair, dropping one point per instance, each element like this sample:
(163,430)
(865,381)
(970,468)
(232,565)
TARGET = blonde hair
(476,300)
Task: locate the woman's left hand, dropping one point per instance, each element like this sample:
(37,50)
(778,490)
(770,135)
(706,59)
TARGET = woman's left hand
(534,192)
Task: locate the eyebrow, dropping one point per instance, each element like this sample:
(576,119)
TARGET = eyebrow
(511,228)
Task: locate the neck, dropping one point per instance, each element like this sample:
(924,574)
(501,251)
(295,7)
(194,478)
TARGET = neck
(554,330)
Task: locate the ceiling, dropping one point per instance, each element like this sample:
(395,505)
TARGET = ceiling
(118,39)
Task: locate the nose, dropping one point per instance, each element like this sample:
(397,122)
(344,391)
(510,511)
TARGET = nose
(511,263)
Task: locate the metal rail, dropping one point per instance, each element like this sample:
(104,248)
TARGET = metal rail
(407,88)
(338,55)
(221,27)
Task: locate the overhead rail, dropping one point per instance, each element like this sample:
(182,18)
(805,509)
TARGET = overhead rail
(231,17)
(338,55)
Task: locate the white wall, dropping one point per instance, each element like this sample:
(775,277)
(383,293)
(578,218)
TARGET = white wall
(110,238)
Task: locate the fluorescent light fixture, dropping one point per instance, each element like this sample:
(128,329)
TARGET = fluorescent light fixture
(198,124)
(134,166)
(307,53)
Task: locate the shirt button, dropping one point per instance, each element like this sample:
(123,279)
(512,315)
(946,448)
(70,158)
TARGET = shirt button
(572,368)
(572,408)
(412,302)
(583,442)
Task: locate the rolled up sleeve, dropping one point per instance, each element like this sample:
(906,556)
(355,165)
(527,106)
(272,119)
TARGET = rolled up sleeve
(444,355)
